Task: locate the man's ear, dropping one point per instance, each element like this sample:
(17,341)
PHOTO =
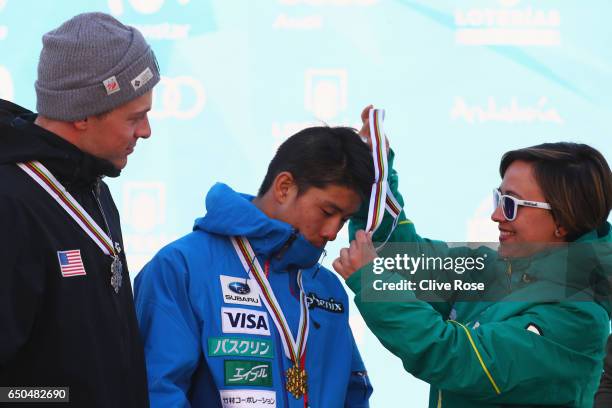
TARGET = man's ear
(80,124)
(284,187)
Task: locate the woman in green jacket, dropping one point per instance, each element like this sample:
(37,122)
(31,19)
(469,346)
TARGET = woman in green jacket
(536,335)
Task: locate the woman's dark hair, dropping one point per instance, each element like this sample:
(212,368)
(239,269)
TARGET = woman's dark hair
(576,182)
(321,156)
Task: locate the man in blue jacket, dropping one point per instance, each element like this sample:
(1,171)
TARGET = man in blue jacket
(239,313)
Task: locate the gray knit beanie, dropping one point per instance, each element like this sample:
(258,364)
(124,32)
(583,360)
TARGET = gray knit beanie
(92,64)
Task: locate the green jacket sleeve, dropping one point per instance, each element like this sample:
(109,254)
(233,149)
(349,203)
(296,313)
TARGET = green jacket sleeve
(498,362)
(603,398)
(405,232)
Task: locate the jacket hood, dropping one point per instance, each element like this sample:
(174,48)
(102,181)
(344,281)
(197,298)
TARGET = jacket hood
(233,214)
(21,141)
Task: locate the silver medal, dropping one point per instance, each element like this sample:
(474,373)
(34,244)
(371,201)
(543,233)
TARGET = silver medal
(116,273)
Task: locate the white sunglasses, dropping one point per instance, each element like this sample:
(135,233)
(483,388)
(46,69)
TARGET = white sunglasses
(510,204)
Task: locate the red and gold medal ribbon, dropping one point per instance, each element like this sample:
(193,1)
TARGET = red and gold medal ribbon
(381,198)
(378,196)
(294,348)
(58,192)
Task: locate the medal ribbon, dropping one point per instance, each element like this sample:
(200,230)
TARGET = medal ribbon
(381,198)
(58,192)
(294,348)
(376,210)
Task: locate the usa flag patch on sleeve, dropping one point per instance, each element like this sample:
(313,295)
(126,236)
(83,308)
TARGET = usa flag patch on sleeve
(71,263)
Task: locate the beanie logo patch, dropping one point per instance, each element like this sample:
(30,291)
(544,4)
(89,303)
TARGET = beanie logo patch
(111,85)
(142,78)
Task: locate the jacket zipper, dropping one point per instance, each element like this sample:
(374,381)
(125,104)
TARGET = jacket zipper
(292,237)
(96,193)
(509,275)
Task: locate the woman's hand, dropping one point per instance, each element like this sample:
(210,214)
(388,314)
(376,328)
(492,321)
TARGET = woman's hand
(365,128)
(360,253)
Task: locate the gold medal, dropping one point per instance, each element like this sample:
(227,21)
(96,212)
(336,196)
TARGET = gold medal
(296,381)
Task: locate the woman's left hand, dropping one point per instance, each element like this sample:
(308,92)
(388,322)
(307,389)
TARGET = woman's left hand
(360,253)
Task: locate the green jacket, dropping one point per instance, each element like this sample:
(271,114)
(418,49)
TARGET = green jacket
(480,353)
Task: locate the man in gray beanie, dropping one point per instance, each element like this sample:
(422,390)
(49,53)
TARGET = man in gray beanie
(66,310)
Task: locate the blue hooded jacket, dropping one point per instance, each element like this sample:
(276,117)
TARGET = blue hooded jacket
(209,340)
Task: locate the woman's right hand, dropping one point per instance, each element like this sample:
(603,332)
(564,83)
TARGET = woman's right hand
(365,128)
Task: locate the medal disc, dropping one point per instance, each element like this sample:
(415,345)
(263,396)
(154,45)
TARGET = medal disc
(296,381)
(116,273)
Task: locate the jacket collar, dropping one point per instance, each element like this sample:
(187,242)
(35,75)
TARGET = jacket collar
(70,165)
(233,214)
(599,237)
(21,141)
(581,267)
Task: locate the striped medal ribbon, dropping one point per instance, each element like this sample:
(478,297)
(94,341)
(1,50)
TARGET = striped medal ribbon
(294,348)
(42,176)
(381,198)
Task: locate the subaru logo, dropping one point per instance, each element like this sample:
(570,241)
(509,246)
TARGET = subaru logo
(239,287)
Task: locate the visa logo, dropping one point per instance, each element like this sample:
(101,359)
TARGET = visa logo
(236,320)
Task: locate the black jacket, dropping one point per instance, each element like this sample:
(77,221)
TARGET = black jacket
(62,331)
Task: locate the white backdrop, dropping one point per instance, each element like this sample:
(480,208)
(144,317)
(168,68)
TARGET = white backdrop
(462,82)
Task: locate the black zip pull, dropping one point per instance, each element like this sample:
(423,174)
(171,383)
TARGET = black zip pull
(509,275)
(97,187)
(96,193)
(288,243)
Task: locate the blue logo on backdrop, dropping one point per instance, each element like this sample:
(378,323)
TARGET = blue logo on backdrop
(239,287)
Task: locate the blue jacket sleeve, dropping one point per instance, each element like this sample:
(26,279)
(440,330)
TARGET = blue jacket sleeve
(169,328)
(359,387)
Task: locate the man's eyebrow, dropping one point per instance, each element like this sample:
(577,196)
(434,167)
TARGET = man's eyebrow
(336,208)
(140,113)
